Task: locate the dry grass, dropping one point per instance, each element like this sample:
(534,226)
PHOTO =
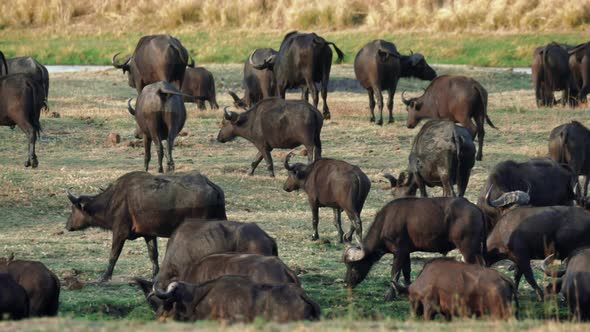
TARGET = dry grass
(435,15)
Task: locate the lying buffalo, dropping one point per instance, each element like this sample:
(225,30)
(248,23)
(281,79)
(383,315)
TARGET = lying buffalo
(303,60)
(200,84)
(579,64)
(570,144)
(21,106)
(378,66)
(160,115)
(455,98)
(14,301)
(42,285)
(551,72)
(442,154)
(258,83)
(574,282)
(451,288)
(139,204)
(275,123)
(29,66)
(156,58)
(412,224)
(546,182)
(331,183)
(236,299)
(195,239)
(525,233)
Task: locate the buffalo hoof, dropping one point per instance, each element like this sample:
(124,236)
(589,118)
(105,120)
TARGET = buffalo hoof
(391,120)
(380,122)
(315,237)
(390,295)
(28,163)
(327,115)
(160,169)
(478,157)
(372,119)
(35,163)
(170,169)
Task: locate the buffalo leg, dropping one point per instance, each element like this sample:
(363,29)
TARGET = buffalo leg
(324,90)
(315,215)
(32,157)
(256,161)
(314,93)
(147,147)
(480,134)
(116,248)
(152,246)
(379,105)
(160,150)
(523,267)
(586,180)
(338,224)
(390,94)
(463,180)
(268,158)
(305,94)
(170,142)
(371,104)
(201,104)
(355,220)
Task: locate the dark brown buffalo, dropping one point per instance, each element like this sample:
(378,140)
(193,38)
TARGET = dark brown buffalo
(20,105)
(42,285)
(14,301)
(378,66)
(546,182)
(451,288)
(200,84)
(139,204)
(331,183)
(236,299)
(525,233)
(551,72)
(455,98)
(579,64)
(160,115)
(569,144)
(412,224)
(156,58)
(195,239)
(29,66)
(258,83)
(442,154)
(275,123)
(574,282)
(303,59)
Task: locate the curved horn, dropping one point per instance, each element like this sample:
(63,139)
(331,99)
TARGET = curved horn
(119,66)
(404,100)
(513,197)
(250,58)
(129,107)
(287,158)
(75,200)
(487,197)
(353,254)
(553,273)
(226,114)
(164,295)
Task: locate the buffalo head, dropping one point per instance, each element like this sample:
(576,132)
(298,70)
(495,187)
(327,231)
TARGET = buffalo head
(175,301)
(413,106)
(268,60)
(128,66)
(80,218)
(230,123)
(297,175)
(419,68)
(403,186)
(357,266)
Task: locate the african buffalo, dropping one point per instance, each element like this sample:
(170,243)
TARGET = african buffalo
(527,232)
(195,239)
(579,64)
(258,83)
(546,182)
(275,123)
(303,59)
(569,144)
(29,66)
(139,204)
(412,224)
(20,106)
(452,288)
(236,299)
(551,72)
(573,282)
(331,183)
(442,154)
(378,66)
(42,285)
(200,84)
(455,98)
(156,58)
(14,300)
(160,115)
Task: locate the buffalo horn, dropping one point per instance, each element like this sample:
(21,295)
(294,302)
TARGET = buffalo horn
(404,100)
(164,295)
(250,58)
(226,113)
(119,66)
(287,166)
(513,197)
(129,107)
(75,200)
(551,272)
(353,254)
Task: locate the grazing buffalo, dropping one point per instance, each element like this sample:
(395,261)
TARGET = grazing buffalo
(412,224)
(275,123)
(29,66)
(303,59)
(573,282)
(14,300)
(551,72)
(546,182)
(235,299)
(451,288)
(579,64)
(139,204)
(200,84)
(195,239)
(525,233)
(570,144)
(160,115)
(258,83)
(41,285)
(378,66)
(20,105)
(156,58)
(443,154)
(3,65)
(455,98)
(331,183)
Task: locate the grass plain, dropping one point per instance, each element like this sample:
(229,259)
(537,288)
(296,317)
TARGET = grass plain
(73,153)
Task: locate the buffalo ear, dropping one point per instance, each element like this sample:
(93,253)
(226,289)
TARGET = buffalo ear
(382,55)
(392,180)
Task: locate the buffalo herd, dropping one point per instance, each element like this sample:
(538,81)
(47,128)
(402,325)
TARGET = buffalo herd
(217,269)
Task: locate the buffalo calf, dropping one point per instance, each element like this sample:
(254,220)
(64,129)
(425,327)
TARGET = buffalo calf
(200,84)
